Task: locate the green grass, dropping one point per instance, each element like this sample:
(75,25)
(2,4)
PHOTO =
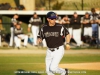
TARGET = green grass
(12,63)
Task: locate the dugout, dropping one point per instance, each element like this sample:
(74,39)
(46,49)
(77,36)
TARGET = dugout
(24,16)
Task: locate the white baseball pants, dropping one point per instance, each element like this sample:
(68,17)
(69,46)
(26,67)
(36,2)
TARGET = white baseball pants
(19,38)
(35,31)
(11,37)
(70,31)
(88,31)
(52,61)
(77,36)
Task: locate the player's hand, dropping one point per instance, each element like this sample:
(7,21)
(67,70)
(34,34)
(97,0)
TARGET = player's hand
(19,37)
(39,41)
(67,46)
(29,29)
(20,22)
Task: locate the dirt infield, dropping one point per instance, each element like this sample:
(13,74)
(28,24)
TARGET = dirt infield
(82,66)
(39,51)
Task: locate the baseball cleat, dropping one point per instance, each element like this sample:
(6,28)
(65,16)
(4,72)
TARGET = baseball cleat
(66,71)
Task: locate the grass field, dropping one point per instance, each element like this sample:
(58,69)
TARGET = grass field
(34,64)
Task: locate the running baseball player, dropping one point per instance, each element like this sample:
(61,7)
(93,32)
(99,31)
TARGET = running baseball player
(52,33)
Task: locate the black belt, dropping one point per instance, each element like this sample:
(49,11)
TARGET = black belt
(53,49)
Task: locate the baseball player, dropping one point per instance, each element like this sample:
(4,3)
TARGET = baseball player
(13,24)
(58,19)
(66,22)
(34,23)
(19,35)
(52,32)
(75,21)
(86,22)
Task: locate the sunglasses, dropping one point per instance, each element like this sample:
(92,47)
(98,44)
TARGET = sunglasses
(52,18)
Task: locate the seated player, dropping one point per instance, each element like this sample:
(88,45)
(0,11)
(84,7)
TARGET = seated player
(19,35)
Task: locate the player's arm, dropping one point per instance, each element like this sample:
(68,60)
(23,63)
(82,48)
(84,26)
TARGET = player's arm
(67,41)
(29,27)
(40,36)
(14,22)
(67,37)
(30,24)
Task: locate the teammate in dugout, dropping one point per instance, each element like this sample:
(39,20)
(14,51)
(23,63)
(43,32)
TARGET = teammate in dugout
(52,33)
(34,23)
(19,35)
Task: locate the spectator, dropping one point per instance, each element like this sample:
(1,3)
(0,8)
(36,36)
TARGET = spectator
(75,21)
(34,24)
(19,35)
(86,22)
(14,22)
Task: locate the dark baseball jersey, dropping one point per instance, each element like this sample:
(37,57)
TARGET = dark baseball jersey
(88,24)
(66,24)
(35,21)
(53,35)
(75,22)
(18,31)
(13,21)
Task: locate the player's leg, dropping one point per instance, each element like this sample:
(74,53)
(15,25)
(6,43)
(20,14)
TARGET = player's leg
(90,31)
(25,38)
(77,36)
(70,31)
(48,61)
(37,31)
(34,29)
(85,31)
(11,37)
(17,41)
(57,56)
